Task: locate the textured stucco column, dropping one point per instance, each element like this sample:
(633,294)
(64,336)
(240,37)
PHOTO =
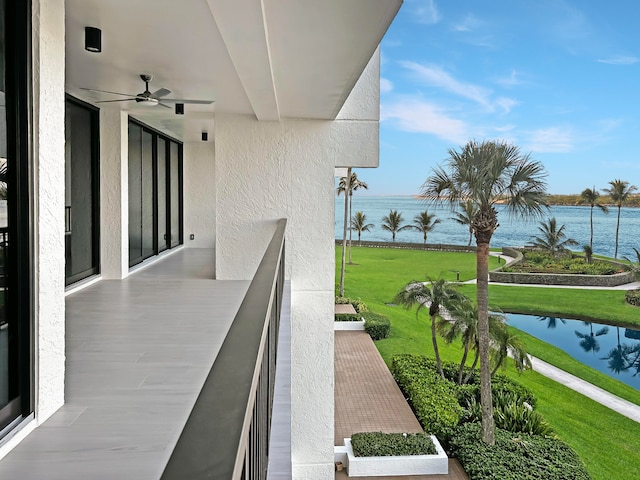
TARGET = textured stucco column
(199,194)
(265,171)
(48,183)
(114,193)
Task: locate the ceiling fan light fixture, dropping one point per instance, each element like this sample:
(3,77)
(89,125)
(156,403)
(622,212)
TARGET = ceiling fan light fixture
(179,108)
(93,39)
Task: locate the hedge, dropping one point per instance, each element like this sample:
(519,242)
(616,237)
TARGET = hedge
(377,326)
(378,444)
(515,456)
(633,297)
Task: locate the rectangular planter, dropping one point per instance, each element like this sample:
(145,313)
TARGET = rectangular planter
(437,464)
(357,325)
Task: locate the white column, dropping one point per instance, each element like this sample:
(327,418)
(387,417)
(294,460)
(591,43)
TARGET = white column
(48,183)
(199,194)
(114,193)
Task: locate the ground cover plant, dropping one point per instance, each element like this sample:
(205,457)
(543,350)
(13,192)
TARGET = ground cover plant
(606,441)
(378,444)
(539,262)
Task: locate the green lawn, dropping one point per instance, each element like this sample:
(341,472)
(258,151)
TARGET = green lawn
(606,441)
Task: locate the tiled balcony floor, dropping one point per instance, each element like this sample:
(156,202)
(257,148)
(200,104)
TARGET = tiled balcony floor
(138,351)
(367,399)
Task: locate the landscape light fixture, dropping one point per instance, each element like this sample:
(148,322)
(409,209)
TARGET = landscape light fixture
(179,108)
(92,39)
(205,136)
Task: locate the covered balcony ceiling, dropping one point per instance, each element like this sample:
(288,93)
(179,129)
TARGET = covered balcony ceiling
(269,58)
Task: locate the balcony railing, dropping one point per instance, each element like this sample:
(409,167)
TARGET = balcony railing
(226,436)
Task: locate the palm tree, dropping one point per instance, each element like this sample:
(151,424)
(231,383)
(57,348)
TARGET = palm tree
(466,215)
(618,357)
(553,239)
(588,253)
(434,296)
(590,197)
(424,222)
(619,193)
(392,223)
(635,266)
(353,185)
(359,224)
(344,186)
(487,173)
(552,322)
(507,344)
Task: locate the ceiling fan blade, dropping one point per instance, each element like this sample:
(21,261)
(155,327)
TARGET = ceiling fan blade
(182,100)
(164,105)
(123,100)
(106,91)
(161,92)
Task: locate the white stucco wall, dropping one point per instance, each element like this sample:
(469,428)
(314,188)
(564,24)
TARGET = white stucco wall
(199,194)
(48,176)
(265,171)
(114,193)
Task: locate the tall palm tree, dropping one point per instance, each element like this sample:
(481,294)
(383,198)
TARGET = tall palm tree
(344,186)
(619,193)
(590,197)
(507,344)
(359,224)
(552,322)
(393,223)
(354,184)
(466,215)
(588,341)
(486,173)
(552,239)
(432,295)
(424,222)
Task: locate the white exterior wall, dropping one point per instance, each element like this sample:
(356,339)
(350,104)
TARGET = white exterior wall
(114,194)
(270,170)
(48,175)
(199,194)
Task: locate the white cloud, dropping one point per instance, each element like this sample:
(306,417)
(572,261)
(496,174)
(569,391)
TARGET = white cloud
(511,80)
(551,140)
(426,12)
(385,85)
(620,60)
(435,76)
(416,115)
(469,23)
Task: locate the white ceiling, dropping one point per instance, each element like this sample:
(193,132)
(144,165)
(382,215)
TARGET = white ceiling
(268,58)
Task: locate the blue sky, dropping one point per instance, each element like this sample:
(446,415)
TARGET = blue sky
(558,78)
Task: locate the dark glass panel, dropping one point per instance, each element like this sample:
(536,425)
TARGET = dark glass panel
(148,248)
(135,194)
(175,181)
(163,235)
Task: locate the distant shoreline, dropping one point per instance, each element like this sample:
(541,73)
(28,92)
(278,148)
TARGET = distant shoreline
(573,200)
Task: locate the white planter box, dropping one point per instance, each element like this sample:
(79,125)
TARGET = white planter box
(397,466)
(357,325)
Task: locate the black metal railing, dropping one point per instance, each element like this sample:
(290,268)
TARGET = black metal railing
(226,436)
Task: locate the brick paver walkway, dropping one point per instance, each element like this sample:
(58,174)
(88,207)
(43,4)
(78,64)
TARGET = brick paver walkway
(367,398)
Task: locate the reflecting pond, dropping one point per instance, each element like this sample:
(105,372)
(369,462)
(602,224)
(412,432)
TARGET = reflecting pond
(611,350)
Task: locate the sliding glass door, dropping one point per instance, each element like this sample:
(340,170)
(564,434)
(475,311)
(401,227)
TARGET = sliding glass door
(15,306)
(155,193)
(81,191)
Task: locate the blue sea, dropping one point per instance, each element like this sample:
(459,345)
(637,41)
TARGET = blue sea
(511,232)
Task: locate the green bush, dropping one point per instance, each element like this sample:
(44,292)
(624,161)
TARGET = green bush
(347,317)
(377,326)
(358,305)
(633,297)
(433,399)
(378,444)
(515,457)
(536,262)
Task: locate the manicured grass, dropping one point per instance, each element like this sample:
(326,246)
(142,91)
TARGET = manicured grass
(606,441)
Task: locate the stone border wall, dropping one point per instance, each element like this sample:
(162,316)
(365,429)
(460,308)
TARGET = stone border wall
(556,279)
(441,247)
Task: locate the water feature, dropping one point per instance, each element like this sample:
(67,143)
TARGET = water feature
(512,232)
(612,350)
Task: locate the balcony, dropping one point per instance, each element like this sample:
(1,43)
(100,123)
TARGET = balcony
(141,356)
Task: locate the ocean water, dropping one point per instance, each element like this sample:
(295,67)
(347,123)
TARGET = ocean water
(511,232)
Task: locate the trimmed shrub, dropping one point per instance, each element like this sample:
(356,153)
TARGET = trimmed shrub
(515,457)
(358,304)
(433,399)
(377,326)
(347,317)
(633,297)
(378,444)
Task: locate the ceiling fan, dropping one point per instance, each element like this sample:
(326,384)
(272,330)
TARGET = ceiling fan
(156,98)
